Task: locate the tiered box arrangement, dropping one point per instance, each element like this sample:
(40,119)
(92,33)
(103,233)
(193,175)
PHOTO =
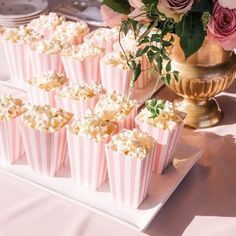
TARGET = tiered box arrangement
(79,108)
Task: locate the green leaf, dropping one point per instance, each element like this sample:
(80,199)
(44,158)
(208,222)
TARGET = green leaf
(150,55)
(176,77)
(136,73)
(154,106)
(168,66)
(168,78)
(124,27)
(159,64)
(139,52)
(121,6)
(155,38)
(192,33)
(202,6)
(144,40)
(154,48)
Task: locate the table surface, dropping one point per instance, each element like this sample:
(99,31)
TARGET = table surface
(203,204)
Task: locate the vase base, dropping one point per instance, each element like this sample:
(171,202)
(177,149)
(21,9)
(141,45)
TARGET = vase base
(200,113)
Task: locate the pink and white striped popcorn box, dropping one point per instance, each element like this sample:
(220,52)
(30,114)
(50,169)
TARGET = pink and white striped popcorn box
(10,141)
(115,79)
(106,45)
(166,143)
(42,97)
(129,177)
(45,151)
(87,160)
(128,122)
(84,71)
(42,62)
(143,79)
(18,61)
(39,96)
(76,107)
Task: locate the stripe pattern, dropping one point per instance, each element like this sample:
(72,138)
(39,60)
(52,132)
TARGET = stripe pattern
(115,79)
(87,161)
(84,71)
(42,63)
(18,61)
(10,140)
(38,96)
(45,152)
(129,177)
(128,122)
(166,143)
(143,79)
(78,108)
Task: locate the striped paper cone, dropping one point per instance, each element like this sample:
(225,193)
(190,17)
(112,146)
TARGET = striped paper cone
(166,143)
(128,122)
(107,45)
(143,79)
(42,63)
(10,140)
(87,160)
(129,177)
(39,96)
(18,61)
(114,78)
(45,152)
(78,108)
(84,71)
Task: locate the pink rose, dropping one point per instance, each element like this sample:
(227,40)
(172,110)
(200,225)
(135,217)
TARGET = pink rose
(138,10)
(136,3)
(175,8)
(110,17)
(222,27)
(231,4)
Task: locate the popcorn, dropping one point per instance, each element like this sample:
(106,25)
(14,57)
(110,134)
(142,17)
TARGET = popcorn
(21,35)
(45,118)
(11,107)
(132,143)
(48,46)
(167,119)
(118,60)
(128,43)
(69,31)
(83,51)
(92,127)
(50,21)
(113,107)
(49,81)
(81,92)
(103,34)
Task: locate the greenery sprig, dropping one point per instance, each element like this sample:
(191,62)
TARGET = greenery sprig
(155,106)
(155,38)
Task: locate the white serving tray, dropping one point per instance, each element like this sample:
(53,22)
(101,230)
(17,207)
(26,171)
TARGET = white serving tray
(160,189)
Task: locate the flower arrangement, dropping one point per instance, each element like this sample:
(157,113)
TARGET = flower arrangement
(154,22)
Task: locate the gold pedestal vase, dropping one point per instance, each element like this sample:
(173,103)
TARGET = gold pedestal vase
(202,76)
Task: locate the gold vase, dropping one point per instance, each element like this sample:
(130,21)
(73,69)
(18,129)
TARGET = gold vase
(202,76)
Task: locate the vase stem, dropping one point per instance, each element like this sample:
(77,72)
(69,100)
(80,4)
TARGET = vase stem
(200,113)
